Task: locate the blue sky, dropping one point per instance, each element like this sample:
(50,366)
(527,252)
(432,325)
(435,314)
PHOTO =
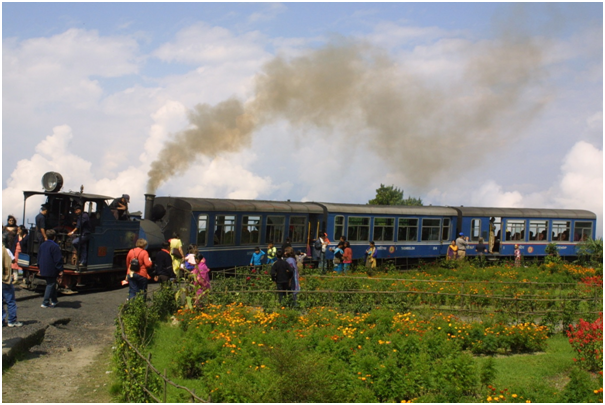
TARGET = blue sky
(487,104)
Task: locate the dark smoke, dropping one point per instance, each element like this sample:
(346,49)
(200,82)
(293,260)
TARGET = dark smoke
(419,127)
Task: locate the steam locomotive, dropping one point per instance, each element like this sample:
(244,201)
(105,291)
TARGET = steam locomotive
(227,231)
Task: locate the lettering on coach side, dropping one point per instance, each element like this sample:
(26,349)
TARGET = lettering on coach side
(408,248)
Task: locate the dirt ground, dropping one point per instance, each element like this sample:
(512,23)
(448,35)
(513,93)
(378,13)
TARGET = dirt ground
(73,363)
(77,376)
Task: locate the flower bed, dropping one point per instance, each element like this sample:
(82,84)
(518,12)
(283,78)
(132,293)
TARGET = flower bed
(380,356)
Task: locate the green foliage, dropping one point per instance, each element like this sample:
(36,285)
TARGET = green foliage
(130,369)
(139,322)
(551,249)
(580,388)
(590,252)
(391,195)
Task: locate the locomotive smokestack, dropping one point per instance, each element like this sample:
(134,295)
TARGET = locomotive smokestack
(149,200)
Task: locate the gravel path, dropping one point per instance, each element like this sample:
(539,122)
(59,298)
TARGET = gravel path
(72,364)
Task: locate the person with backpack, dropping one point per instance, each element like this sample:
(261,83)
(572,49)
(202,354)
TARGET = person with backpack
(138,262)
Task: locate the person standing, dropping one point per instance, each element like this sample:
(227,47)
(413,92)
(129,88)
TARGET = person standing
(256,261)
(50,263)
(286,247)
(137,275)
(271,253)
(294,285)
(176,252)
(517,256)
(320,248)
(9,234)
(20,245)
(300,259)
(9,316)
(41,224)
(80,243)
(338,255)
(371,256)
(347,257)
(281,274)
(452,251)
(462,244)
(492,232)
(481,249)
(163,264)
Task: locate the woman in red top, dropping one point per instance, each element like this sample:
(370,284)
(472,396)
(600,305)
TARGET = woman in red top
(137,280)
(347,256)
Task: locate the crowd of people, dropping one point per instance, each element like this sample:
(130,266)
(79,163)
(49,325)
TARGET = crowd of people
(170,265)
(287,265)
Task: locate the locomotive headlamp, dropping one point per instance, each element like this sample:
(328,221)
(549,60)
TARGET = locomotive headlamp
(52,181)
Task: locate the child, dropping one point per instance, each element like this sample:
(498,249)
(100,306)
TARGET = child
(271,253)
(300,257)
(256,261)
(190,261)
(517,256)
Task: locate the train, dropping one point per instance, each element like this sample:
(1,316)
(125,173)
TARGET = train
(226,231)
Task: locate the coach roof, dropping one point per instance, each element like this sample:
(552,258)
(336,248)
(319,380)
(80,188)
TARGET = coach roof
(525,213)
(387,209)
(226,205)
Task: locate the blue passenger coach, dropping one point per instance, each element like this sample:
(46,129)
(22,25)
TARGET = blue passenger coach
(397,231)
(227,231)
(531,229)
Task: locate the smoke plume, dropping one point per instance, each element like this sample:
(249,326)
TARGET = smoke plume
(420,127)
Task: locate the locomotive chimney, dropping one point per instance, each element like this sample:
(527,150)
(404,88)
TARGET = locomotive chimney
(149,200)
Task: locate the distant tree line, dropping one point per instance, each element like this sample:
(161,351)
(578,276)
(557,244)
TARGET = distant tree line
(391,195)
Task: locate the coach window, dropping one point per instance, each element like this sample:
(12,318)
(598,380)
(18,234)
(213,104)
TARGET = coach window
(251,230)
(224,230)
(275,229)
(297,229)
(359,229)
(582,231)
(339,226)
(445,229)
(202,230)
(384,229)
(515,229)
(407,229)
(561,230)
(430,229)
(538,230)
(475,229)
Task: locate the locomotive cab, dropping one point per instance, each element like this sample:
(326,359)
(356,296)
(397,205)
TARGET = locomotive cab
(106,248)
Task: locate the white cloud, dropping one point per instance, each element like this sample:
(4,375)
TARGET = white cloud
(204,44)
(59,68)
(270,12)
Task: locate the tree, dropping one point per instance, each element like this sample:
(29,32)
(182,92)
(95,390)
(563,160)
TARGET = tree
(391,195)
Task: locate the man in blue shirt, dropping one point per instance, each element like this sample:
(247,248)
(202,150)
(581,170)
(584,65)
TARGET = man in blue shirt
(50,263)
